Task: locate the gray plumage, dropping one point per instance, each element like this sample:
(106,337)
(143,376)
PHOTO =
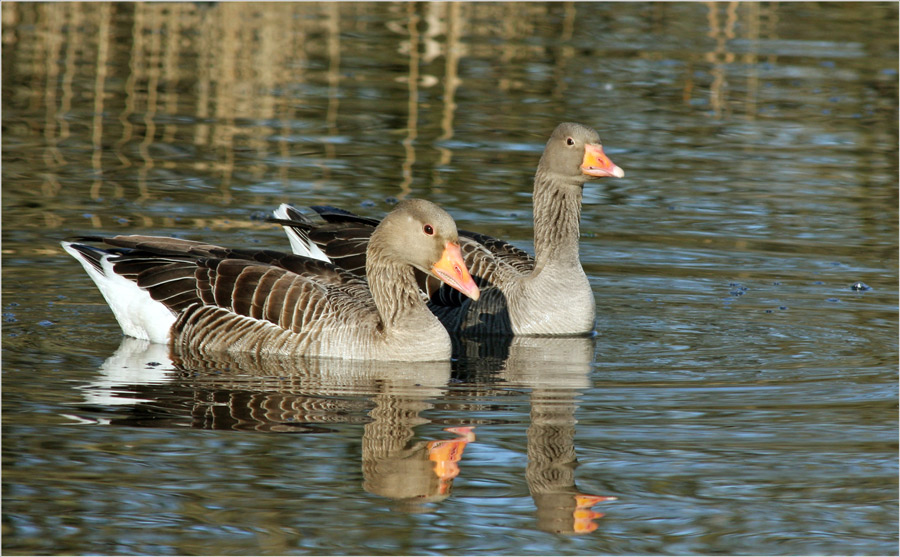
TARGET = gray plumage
(548,294)
(266,302)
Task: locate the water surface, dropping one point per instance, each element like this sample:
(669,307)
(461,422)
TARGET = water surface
(739,396)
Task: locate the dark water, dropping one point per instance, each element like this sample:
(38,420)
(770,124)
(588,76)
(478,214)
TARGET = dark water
(740,397)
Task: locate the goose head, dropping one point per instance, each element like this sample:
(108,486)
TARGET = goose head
(421,234)
(574,154)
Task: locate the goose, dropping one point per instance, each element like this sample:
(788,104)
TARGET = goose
(207,299)
(547,294)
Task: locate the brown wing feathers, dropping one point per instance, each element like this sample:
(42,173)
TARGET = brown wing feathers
(502,251)
(262,291)
(172,284)
(286,290)
(344,238)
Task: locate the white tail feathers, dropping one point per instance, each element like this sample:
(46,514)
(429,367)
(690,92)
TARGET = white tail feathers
(300,242)
(139,315)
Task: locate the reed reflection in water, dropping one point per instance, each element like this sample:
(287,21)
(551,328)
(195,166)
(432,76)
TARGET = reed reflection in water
(187,96)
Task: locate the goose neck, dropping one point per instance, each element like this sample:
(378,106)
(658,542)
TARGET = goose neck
(557,219)
(394,291)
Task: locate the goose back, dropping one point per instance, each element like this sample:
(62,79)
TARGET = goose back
(343,237)
(548,294)
(215,299)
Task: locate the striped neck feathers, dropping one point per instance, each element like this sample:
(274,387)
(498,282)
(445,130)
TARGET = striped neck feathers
(557,219)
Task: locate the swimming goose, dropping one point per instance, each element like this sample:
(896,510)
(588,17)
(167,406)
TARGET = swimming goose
(212,299)
(548,294)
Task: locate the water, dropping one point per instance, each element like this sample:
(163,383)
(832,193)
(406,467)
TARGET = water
(740,397)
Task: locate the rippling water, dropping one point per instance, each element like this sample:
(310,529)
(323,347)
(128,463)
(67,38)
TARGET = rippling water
(740,396)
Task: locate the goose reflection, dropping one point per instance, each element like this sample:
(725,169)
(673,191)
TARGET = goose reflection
(287,395)
(556,370)
(143,384)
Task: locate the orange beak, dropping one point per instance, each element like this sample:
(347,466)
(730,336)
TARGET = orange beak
(452,270)
(583,516)
(587,501)
(597,164)
(583,523)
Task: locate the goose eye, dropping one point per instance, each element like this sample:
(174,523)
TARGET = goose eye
(570,141)
(428,229)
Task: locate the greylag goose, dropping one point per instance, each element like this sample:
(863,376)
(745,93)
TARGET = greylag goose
(213,300)
(548,294)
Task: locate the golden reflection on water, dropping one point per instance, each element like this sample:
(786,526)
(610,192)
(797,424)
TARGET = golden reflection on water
(226,63)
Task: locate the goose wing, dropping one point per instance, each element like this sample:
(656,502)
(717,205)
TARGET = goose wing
(294,293)
(502,252)
(344,237)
